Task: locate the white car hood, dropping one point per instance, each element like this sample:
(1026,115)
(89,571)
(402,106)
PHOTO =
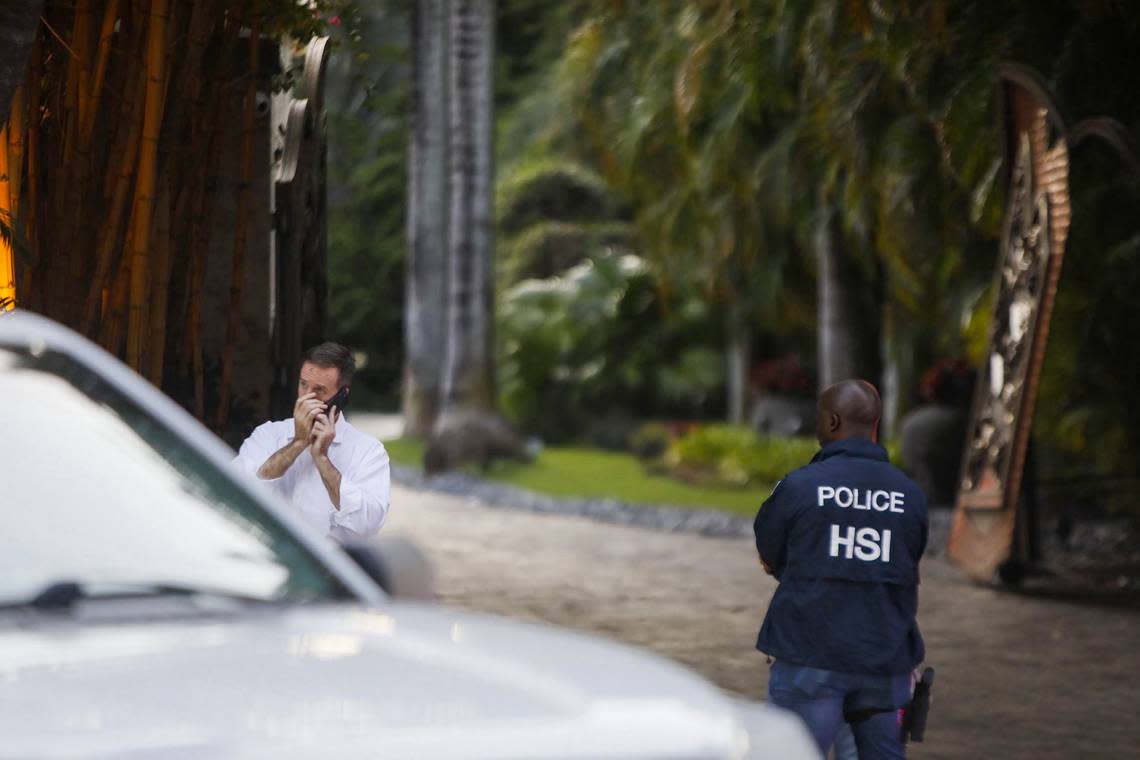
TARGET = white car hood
(340,680)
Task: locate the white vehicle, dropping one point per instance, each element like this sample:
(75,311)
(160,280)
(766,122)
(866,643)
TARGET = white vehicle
(153,603)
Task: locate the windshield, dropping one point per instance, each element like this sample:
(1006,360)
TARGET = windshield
(95,491)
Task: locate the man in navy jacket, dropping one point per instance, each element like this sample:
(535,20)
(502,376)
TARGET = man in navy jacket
(843,535)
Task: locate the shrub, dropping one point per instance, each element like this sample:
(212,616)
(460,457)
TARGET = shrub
(611,431)
(734,455)
(552,189)
(547,249)
(650,441)
(594,341)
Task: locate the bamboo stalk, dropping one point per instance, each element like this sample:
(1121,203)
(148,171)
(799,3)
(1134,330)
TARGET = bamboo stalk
(120,171)
(201,225)
(72,173)
(7,263)
(31,213)
(111,331)
(17,129)
(106,36)
(241,223)
(81,44)
(182,153)
(145,182)
(13,148)
(161,286)
(51,270)
(75,100)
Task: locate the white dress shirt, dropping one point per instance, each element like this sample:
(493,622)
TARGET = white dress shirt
(365,478)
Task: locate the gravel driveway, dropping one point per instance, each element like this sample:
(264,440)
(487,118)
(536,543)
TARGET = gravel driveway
(1018,677)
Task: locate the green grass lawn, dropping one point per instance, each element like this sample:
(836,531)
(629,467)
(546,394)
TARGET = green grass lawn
(583,472)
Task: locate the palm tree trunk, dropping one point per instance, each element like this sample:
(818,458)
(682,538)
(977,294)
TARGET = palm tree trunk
(467,379)
(738,360)
(18,22)
(850,310)
(425,306)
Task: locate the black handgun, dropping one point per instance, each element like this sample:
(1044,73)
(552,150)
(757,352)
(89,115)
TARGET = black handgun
(914,714)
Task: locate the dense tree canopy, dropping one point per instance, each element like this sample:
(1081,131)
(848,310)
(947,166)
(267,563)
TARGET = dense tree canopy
(731,134)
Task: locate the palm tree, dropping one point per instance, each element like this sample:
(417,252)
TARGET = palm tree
(686,118)
(426,298)
(468,369)
(897,125)
(849,306)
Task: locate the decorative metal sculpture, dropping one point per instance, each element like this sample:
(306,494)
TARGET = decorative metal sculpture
(1037,147)
(1020,280)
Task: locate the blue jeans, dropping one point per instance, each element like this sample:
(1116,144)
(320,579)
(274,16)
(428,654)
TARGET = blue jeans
(826,699)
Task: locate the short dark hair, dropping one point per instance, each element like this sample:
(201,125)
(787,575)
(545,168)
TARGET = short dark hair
(331,354)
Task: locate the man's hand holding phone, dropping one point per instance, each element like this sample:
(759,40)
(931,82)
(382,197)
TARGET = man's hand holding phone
(324,432)
(324,424)
(305,413)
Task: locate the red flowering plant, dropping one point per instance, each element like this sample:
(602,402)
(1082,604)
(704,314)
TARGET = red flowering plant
(304,20)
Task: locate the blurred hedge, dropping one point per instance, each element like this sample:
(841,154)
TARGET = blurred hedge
(735,455)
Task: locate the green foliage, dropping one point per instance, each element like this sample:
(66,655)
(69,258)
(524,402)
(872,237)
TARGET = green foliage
(547,248)
(729,126)
(1087,420)
(536,191)
(651,440)
(529,36)
(12,233)
(734,455)
(407,452)
(558,471)
(591,340)
(697,374)
(552,214)
(368,104)
(302,21)
(706,137)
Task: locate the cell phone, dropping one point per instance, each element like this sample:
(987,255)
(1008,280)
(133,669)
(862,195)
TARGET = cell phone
(339,400)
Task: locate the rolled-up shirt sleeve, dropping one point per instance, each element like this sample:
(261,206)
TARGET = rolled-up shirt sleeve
(364,493)
(255,450)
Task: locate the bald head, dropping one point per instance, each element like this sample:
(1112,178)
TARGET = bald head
(849,409)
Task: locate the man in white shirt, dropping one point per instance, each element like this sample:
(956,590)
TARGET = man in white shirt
(336,476)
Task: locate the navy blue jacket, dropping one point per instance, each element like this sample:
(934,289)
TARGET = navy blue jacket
(844,535)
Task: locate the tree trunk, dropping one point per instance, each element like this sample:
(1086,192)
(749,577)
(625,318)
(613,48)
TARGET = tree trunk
(145,184)
(467,379)
(18,22)
(241,222)
(738,360)
(160,287)
(425,307)
(7,260)
(850,310)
